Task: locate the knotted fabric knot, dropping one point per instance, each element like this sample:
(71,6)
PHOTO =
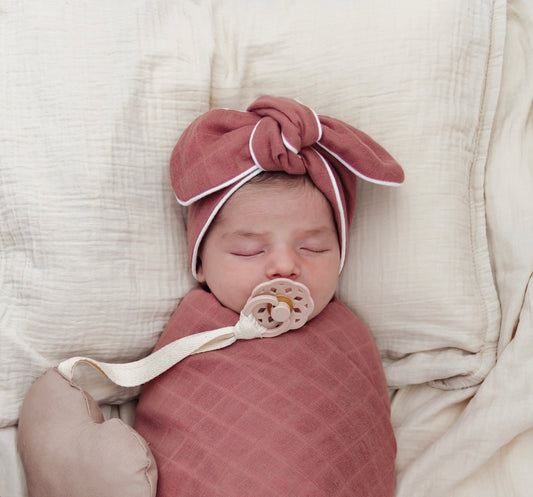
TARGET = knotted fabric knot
(281,134)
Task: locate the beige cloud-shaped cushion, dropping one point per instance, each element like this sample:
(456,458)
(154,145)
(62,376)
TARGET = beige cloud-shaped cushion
(67,448)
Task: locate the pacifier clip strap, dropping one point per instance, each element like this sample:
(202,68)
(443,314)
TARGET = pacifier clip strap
(136,373)
(274,307)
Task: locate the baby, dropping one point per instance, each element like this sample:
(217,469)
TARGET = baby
(271,195)
(275,226)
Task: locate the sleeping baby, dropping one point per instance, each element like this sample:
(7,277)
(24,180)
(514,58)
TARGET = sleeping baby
(270,194)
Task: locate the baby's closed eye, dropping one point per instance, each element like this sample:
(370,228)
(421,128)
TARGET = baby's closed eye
(317,245)
(317,250)
(246,250)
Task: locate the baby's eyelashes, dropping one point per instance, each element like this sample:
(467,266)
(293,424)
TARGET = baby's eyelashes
(252,254)
(314,250)
(256,251)
(246,251)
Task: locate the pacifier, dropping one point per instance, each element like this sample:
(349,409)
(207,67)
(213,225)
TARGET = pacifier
(279,305)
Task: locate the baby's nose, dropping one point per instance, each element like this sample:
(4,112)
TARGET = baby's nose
(283,263)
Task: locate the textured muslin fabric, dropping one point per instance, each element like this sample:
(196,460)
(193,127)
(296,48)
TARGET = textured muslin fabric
(223,149)
(302,414)
(92,260)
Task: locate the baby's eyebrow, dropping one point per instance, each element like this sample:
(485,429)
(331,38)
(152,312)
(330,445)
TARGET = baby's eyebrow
(320,230)
(244,234)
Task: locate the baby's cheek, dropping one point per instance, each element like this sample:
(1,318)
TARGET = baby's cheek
(321,298)
(238,298)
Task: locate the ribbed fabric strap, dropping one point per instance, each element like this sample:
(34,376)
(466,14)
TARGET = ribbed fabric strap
(136,373)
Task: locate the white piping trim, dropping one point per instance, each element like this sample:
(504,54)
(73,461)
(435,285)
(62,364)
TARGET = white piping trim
(255,172)
(318,123)
(358,173)
(288,144)
(254,158)
(343,234)
(218,187)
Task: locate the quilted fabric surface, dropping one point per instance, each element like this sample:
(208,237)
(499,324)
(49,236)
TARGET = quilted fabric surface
(302,414)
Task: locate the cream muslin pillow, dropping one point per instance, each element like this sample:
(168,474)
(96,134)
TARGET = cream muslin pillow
(422,78)
(92,246)
(94,96)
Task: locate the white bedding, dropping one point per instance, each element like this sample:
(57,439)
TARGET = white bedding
(479,441)
(92,252)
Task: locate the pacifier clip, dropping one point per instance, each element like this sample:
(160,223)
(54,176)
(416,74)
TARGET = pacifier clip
(275,307)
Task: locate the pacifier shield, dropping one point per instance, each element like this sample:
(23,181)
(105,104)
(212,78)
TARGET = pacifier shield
(280,305)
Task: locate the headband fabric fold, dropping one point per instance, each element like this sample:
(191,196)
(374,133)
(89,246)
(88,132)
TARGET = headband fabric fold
(223,149)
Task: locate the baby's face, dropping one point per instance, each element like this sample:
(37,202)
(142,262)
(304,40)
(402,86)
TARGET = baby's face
(267,231)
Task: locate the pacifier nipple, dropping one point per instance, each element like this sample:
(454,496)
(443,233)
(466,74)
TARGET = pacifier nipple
(280,305)
(281,312)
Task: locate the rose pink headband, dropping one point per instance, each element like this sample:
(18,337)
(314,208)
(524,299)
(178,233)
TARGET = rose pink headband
(223,149)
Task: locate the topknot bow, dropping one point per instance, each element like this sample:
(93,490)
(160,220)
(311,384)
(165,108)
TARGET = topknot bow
(223,149)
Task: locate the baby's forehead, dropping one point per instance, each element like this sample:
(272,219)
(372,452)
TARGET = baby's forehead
(274,187)
(274,183)
(279,179)
(249,208)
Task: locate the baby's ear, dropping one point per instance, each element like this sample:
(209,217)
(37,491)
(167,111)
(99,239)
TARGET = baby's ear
(200,272)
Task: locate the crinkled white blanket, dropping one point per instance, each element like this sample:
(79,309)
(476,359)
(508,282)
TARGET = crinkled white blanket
(479,441)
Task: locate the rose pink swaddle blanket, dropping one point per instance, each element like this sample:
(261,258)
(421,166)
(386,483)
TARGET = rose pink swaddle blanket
(302,414)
